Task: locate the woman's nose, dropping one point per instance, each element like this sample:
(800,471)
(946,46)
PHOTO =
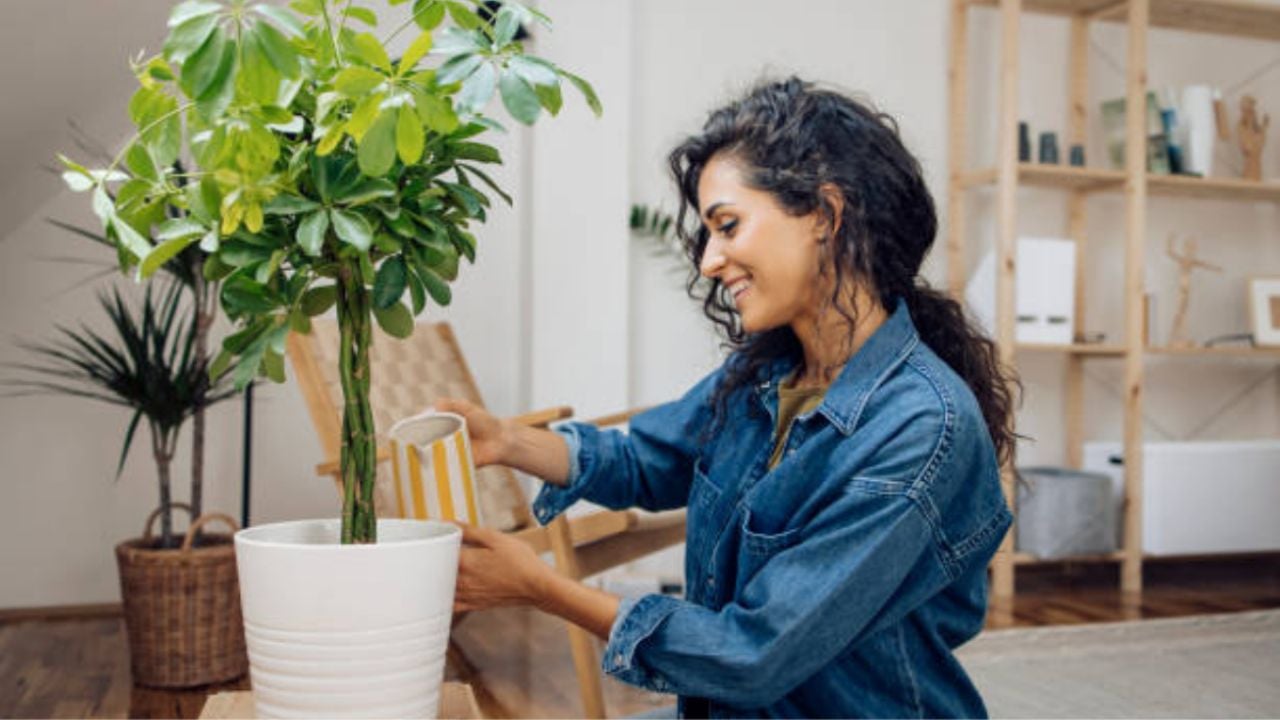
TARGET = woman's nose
(713,260)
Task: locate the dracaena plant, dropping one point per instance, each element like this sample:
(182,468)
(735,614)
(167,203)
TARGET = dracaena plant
(320,172)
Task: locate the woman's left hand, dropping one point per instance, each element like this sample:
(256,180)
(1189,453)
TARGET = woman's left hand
(496,570)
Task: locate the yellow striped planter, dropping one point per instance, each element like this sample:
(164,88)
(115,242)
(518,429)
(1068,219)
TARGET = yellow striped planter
(433,467)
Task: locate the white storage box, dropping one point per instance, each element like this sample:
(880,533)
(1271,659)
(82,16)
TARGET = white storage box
(1202,497)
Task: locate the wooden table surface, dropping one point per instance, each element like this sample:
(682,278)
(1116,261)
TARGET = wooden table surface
(456,701)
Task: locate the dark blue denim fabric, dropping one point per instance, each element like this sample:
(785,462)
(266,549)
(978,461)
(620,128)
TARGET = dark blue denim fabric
(837,584)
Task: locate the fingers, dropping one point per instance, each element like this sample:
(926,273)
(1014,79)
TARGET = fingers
(476,535)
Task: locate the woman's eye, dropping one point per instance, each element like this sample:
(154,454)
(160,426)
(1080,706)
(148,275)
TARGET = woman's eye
(727,228)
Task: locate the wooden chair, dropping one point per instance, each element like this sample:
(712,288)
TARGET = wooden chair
(408,375)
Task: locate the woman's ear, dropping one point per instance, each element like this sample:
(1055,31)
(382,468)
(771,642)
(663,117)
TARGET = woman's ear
(831,213)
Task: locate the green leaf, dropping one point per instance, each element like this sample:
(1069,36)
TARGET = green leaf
(220,365)
(458,68)
(366,47)
(201,71)
(505,29)
(365,191)
(463,16)
(364,15)
(377,150)
(478,88)
(273,366)
(222,87)
(311,232)
(131,239)
(357,81)
(435,112)
(428,13)
(186,38)
(519,98)
(281,17)
(535,73)
(479,152)
(163,253)
(417,294)
(241,294)
(587,91)
(278,50)
(319,299)
(284,204)
(186,11)
(389,283)
(139,161)
(415,52)
(352,229)
(409,136)
(179,228)
(435,285)
(128,441)
(550,97)
(395,321)
(269,268)
(363,116)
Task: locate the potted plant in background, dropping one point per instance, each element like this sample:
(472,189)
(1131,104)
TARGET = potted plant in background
(180,597)
(327,174)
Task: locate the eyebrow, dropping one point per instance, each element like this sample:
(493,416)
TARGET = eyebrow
(714,207)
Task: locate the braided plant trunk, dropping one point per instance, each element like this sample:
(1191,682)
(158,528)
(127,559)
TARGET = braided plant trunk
(359,448)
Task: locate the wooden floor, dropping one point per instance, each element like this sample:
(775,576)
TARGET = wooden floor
(518,661)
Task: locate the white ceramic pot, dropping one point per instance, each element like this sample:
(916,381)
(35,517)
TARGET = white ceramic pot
(347,630)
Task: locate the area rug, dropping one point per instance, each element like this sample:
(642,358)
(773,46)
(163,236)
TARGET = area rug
(1221,666)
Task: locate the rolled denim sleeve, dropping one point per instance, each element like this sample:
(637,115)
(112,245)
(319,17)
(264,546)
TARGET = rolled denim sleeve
(865,562)
(651,466)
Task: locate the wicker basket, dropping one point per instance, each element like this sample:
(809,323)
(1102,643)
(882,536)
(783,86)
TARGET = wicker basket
(182,608)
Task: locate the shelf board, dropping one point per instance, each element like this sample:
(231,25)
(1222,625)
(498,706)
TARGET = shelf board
(1241,18)
(1098,349)
(1117,351)
(1067,177)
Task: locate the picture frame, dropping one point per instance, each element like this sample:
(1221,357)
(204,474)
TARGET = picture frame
(1264,310)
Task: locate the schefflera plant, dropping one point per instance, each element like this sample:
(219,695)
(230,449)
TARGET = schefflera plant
(317,170)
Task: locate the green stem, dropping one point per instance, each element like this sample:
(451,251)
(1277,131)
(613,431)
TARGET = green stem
(359,450)
(328,24)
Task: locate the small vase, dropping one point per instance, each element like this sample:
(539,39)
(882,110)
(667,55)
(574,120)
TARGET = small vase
(347,630)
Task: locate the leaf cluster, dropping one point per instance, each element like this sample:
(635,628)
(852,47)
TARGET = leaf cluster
(312,149)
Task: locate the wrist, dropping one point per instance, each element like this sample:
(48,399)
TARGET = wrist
(539,586)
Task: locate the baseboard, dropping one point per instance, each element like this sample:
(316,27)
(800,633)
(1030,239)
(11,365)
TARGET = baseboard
(61,612)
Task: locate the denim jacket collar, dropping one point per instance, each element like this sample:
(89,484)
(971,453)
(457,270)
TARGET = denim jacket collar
(884,351)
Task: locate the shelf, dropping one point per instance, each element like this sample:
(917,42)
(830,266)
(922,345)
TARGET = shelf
(1118,351)
(1067,177)
(1242,18)
(1097,350)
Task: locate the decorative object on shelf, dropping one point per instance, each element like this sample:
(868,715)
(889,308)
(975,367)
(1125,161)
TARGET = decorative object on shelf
(1202,125)
(1049,148)
(1064,513)
(1252,136)
(1175,131)
(1045,291)
(1089,338)
(1113,126)
(1077,155)
(1024,142)
(1187,262)
(1264,310)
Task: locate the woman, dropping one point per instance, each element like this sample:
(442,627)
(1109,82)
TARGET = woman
(840,469)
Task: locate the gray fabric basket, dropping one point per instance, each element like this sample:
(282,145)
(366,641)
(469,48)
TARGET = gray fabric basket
(1062,513)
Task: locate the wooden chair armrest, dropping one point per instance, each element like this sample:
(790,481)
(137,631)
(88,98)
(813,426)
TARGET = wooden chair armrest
(618,418)
(543,418)
(587,529)
(330,467)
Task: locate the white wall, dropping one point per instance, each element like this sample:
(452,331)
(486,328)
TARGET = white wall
(563,308)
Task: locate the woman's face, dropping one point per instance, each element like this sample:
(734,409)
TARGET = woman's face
(767,259)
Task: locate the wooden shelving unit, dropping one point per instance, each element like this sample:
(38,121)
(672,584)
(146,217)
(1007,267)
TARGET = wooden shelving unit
(1242,18)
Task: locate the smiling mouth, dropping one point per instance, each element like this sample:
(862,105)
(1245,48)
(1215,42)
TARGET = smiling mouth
(738,287)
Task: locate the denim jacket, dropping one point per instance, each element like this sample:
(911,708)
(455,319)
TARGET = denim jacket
(835,585)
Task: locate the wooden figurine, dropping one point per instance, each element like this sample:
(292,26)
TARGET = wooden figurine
(1252,136)
(1187,262)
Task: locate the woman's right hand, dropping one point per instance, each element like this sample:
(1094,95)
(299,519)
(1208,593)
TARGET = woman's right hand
(491,437)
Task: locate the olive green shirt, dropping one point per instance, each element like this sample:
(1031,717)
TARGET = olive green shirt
(792,403)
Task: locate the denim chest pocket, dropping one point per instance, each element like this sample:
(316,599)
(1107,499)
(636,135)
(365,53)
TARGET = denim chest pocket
(763,545)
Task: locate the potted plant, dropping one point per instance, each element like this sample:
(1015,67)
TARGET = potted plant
(181,600)
(327,174)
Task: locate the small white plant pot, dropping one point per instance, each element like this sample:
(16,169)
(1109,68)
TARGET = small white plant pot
(345,631)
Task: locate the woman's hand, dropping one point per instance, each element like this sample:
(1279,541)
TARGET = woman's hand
(497,570)
(491,437)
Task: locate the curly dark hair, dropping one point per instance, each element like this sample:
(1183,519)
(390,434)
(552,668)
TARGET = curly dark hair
(797,141)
